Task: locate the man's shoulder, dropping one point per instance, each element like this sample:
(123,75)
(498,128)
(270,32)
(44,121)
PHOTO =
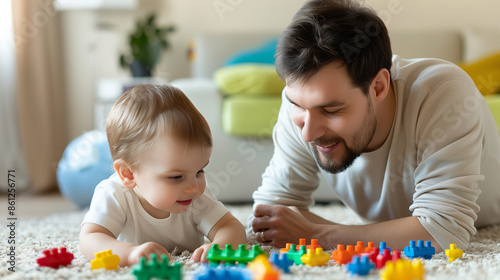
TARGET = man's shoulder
(426,70)
(424,78)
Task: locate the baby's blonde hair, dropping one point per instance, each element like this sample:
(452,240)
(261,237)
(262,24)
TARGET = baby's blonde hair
(147,113)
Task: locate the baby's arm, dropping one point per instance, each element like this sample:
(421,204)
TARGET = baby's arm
(228,230)
(95,238)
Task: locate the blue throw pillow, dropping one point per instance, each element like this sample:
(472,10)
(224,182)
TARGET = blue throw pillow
(261,54)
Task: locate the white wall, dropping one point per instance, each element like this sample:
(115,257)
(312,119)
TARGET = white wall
(91,53)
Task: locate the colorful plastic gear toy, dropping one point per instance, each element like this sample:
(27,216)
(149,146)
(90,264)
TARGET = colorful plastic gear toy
(146,270)
(383,245)
(262,269)
(281,261)
(230,257)
(222,272)
(403,270)
(360,265)
(361,249)
(453,253)
(55,258)
(342,255)
(295,254)
(106,260)
(315,257)
(421,250)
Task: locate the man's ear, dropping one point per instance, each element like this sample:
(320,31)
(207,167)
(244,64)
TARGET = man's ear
(380,85)
(125,172)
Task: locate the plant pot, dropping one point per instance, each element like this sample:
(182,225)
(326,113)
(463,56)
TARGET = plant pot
(139,69)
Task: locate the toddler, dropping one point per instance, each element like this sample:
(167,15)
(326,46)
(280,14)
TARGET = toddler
(157,199)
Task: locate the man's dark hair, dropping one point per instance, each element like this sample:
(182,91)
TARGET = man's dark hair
(324,31)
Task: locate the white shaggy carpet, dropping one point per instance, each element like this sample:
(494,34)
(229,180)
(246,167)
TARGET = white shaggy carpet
(480,261)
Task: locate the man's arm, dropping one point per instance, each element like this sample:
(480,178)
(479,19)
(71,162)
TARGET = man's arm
(287,224)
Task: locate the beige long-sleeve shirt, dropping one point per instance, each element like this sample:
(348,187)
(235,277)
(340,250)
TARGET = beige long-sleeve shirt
(440,162)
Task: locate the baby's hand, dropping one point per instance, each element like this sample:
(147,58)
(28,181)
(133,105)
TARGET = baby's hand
(200,254)
(145,250)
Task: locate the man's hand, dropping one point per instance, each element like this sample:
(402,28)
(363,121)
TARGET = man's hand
(282,224)
(145,250)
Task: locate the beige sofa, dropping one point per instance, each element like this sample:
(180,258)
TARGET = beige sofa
(237,164)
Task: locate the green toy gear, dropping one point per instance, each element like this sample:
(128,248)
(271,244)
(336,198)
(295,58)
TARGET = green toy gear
(145,270)
(230,257)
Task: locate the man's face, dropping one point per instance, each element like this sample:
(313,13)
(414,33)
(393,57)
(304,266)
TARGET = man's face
(337,118)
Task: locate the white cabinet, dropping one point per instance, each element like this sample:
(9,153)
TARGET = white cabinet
(64,5)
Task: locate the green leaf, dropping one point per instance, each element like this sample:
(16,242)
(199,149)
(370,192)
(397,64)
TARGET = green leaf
(123,61)
(170,28)
(151,20)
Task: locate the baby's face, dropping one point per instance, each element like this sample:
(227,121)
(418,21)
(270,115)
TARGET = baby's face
(170,176)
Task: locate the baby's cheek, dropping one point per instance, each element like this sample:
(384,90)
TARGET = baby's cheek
(201,190)
(163,199)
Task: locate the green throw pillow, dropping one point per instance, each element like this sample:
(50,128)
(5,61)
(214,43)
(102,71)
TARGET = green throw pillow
(250,116)
(494,104)
(249,79)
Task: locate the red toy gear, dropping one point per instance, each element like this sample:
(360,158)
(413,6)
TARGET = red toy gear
(55,258)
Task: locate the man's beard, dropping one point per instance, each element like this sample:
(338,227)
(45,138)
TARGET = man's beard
(361,140)
(336,167)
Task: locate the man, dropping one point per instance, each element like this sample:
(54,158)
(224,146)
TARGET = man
(407,144)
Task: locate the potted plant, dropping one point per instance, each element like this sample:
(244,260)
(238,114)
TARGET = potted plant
(146,43)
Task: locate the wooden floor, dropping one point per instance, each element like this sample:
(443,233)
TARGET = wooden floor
(29,205)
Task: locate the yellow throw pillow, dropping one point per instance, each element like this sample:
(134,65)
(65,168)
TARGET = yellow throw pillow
(485,73)
(249,79)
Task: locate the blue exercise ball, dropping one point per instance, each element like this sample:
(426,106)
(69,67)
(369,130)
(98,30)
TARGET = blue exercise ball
(85,162)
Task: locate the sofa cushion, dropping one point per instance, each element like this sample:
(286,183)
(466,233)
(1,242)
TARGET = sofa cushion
(249,79)
(480,42)
(485,73)
(212,49)
(494,104)
(250,116)
(261,54)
